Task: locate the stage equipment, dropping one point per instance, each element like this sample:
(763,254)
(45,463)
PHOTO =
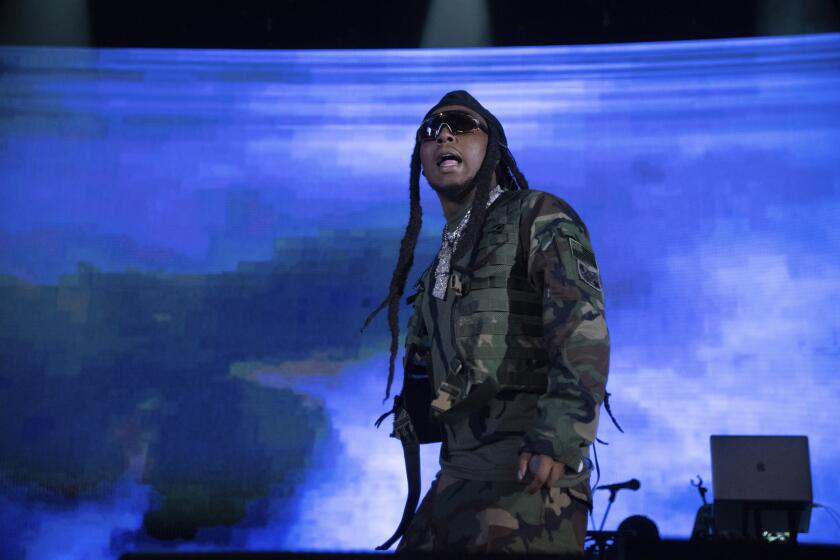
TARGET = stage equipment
(704,521)
(632,484)
(762,486)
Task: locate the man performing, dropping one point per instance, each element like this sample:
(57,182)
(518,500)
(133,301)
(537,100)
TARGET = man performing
(507,351)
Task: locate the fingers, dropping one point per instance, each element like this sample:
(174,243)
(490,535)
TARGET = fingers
(540,466)
(524,457)
(557,472)
(545,470)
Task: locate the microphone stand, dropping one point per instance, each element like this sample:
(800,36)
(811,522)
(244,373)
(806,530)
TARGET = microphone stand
(603,542)
(613,492)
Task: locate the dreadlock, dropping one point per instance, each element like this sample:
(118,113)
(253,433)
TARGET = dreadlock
(497,158)
(519,181)
(478,209)
(404,262)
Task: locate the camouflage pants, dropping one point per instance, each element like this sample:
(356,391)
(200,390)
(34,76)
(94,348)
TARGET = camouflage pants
(491,517)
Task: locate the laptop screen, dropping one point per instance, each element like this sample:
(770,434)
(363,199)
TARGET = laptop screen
(761,468)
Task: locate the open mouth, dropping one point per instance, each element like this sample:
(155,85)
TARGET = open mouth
(448,160)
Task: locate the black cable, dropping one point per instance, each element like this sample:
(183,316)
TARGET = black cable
(833,513)
(597,480)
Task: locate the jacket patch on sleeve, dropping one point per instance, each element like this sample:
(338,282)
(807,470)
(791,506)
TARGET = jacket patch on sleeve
(586,266)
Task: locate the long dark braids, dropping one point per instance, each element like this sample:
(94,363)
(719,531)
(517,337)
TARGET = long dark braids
(404,262)
(478,209)
(509,164)
(497,158)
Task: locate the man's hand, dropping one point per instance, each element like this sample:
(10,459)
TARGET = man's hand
(546,471)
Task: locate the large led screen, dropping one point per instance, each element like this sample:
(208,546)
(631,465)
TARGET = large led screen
(192,239)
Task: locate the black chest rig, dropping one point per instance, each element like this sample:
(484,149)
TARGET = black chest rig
(496,320)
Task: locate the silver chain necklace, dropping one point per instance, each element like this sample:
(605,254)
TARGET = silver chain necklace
(448,245)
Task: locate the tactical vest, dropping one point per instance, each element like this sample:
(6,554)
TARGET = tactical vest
(496,316)
(498,336)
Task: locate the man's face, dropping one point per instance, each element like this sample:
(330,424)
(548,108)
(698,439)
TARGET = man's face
(451,160)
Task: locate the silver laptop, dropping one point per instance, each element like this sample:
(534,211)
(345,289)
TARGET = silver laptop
(761,484)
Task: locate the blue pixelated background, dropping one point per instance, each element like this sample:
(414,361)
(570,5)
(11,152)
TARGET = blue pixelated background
(190,241)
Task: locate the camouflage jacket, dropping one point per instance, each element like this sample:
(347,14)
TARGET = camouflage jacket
(562,421)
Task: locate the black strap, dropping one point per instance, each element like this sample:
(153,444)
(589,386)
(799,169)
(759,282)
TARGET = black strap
(411,452)
(607,406)
(383,417)
(394,409)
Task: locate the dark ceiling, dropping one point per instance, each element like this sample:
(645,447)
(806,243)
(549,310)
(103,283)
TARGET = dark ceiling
(341,24)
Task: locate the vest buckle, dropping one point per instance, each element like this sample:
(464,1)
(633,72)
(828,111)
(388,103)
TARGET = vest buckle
(447,396)
(403,428)
(459,283)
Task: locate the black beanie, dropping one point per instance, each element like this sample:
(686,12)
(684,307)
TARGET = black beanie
(461,97)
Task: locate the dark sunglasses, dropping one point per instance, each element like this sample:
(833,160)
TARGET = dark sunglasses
(457,121)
